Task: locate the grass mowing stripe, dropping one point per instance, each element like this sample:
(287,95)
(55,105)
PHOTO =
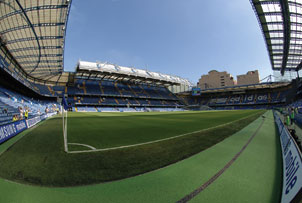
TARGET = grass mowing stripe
(107,132)
(219,173)
(155,141)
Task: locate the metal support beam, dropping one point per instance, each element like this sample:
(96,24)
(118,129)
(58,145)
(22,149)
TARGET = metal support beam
(35,48)
(32,26)
(44,7)
(41,61)
(299,67)
(42,55)
(286,32)
(33,30)
(33,39)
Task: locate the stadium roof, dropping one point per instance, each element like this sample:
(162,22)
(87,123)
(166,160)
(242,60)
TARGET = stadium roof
(34,33)
(240,89)
(120,73)
(281,24)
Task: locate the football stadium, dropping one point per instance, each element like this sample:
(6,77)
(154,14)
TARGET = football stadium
(113,133)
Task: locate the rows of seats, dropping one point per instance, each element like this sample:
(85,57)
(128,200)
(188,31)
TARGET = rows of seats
(107,88)
(7,112)
(192,101)
(109,93)
(85,100)
(260,98)
(243,107)
(11,104)
(297,104)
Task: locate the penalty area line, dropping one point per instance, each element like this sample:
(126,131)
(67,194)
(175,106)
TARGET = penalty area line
(155,141)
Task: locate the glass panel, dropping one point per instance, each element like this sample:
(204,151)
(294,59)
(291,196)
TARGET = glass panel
(276,41)
(274,27)
(270,8)
(277,51)
(275,34)
(277,47)
(277,57)
(273,18)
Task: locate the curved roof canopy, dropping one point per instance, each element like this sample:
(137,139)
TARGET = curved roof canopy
(34,33)
(121,73)
(281,24)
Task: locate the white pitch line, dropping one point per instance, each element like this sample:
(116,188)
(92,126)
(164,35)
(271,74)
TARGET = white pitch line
(155,141)
(85,145)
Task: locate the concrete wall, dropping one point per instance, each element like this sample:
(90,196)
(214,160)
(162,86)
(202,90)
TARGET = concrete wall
(216,79)
(252,77)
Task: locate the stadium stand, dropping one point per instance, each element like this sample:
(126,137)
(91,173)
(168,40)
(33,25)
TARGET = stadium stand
(87,93)
(32,76)
(297,102)
(15,98)
(14,104)
(259,96)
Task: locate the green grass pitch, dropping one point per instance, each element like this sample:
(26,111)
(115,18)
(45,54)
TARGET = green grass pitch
(44,162)
(109,130)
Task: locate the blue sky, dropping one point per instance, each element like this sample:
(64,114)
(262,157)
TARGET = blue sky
(186,38)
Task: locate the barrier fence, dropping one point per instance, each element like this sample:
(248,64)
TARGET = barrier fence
(12,129)
(292,164)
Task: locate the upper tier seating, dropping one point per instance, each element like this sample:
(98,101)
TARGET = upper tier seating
(108,88)
(109,93)
(240,101)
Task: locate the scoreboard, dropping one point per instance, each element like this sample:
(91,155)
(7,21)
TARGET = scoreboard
(196,91)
